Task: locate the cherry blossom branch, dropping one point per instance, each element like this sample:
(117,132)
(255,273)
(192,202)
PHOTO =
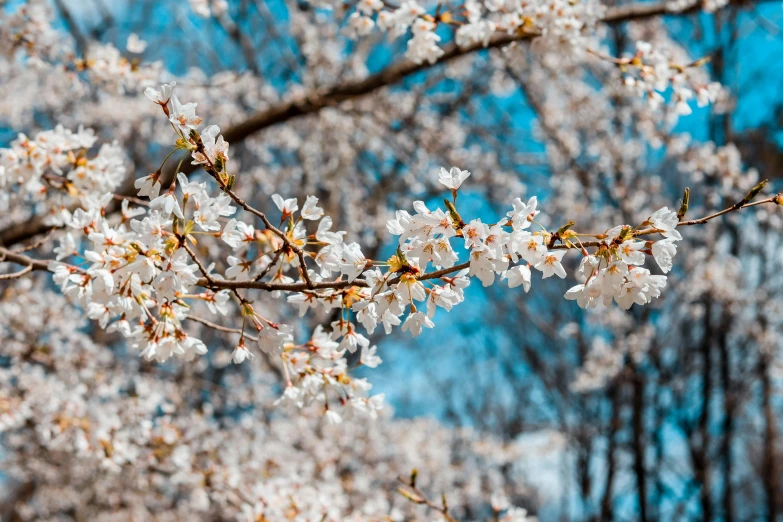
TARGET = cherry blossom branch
(342,284)
(744,203)
(7,255)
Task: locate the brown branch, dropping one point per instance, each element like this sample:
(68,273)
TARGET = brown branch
(210,281)
(7,255)
(17,275)
(28,262)
(219,328)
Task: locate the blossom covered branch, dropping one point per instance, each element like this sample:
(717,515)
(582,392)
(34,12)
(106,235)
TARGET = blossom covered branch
(142,272)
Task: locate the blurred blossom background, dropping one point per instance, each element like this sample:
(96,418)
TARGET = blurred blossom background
(667,412)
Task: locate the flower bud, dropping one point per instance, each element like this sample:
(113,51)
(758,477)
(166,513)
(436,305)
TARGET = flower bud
(684,206)
(752,193)
(453,212)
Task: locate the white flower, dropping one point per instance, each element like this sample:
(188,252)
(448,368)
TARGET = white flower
(359,25)
(496,241)
(587,266)
(368,7)
(664,252)
(579,294)
(351,339)
(129,213)
(66,248)
(237,233)
(415,322)
(666,221)
(217,303)
(550,265)
(483,266)
(629,252)
(148,186)
(273,340)
(423,47)
(353,262)
(630,294)
(241,353)
(519,275)
(191,188)
(324,235)
(162,96)
(369,358)
(474,233)
(237,267)
(135,44)
(311,210)
(332,417)
(215,146)
(612,277)
(530,247)
(474,33)
(304,302)
(452,178)
(443,297)
(410,289)
(287,206)
(516,514)
(389,320)
(708,94)
(166,204)
(524,213)
(183,116)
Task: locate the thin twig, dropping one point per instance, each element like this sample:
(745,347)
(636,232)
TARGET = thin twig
(415,495)
(219,328)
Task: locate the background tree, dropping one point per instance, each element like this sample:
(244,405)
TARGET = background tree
(666,411)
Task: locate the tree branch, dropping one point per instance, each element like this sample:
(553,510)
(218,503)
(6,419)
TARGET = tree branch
(309,285)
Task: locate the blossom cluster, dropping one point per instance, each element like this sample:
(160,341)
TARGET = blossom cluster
(568,28)
(29,34)
(28,29)
(107,66)
(560,23)
(614,272)
(55,170)
(74,418)
(141,272)
(191,266)
(651,72)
